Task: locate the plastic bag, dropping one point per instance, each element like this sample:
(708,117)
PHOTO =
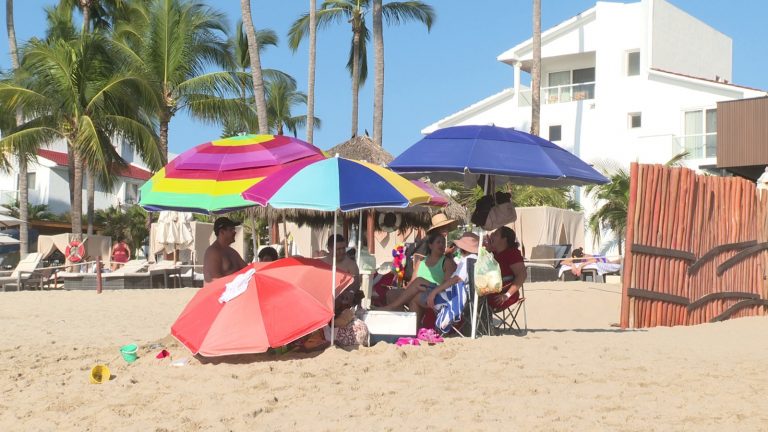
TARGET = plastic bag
(487,274)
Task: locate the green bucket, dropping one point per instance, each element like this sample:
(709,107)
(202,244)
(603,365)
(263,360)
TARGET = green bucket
(129,352)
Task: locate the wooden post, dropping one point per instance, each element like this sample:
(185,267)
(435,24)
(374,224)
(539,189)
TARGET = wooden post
(369,231)
(98,274)
(630,237)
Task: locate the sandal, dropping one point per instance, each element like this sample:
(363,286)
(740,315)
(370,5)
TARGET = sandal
(407,341)
(429,336)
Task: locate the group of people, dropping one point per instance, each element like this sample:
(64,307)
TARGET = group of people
(435,269)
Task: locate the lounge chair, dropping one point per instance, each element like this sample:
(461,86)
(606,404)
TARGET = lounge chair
(24,273)
(544,271)
(133,274)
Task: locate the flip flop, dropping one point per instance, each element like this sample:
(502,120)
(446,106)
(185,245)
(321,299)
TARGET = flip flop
(429,336)
(407,341)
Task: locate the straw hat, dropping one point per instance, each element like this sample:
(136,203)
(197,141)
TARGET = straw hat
(468,242)
(440,220)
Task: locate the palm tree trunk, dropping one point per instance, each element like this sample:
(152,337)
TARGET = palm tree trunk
(165,120)
(355,73)
(91,185)
(258,81)
(23,186)
(311,78)
(536,69)
(85,9)
(378,89)
(77,202)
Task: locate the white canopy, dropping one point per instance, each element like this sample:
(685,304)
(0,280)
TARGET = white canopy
(548,226)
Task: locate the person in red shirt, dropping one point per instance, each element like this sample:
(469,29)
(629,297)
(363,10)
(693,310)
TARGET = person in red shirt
(503,243)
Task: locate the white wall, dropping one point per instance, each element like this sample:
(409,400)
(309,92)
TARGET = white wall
(683,44)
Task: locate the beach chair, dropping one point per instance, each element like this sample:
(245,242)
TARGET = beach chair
(548,270)
(483,323)
(23,274)
(506,318)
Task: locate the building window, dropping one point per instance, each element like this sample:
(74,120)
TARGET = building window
(31,180)
(633,63)
(566,86)
(555,133)
(700,140)
(635,120)
(131,193)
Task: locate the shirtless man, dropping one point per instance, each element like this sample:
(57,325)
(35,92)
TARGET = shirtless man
(220,259)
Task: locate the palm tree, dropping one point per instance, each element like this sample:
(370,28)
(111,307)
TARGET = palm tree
(353,12)
(311,74)
(281,97)
(80,91)
(258,81)
(536,69)
(613,199)
(378,86)
(173,43)
(23,157)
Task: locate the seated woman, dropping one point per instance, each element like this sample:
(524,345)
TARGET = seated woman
(428,274)
(503,243)
(578,260)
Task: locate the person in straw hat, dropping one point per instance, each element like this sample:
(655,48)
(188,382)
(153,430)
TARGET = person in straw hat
(441,224)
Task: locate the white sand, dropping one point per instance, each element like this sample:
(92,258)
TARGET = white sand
(572,372)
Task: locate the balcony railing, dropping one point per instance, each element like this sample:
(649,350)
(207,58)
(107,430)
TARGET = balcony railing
(698,146)
(560,94)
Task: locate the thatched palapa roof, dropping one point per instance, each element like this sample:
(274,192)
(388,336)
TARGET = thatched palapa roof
(362,148)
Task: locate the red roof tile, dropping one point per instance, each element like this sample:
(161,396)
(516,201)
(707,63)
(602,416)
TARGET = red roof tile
(62,159)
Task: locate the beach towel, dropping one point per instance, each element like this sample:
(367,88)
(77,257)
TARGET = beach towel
(449,305)
(237,286)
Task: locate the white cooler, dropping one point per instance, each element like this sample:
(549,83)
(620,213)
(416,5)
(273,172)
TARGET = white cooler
(389,326)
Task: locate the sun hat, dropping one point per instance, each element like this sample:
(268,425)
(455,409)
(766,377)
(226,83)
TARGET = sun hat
(223,222)
(468,242)
(440,220)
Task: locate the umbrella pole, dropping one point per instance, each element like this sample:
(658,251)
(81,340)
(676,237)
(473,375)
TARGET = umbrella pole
(253,237)
(333,280)
(359,238)
(475,299)
(285,240)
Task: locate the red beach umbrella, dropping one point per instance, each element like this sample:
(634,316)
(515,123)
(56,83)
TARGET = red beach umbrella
(282,301)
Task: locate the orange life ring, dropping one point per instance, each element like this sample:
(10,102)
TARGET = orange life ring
(75,251)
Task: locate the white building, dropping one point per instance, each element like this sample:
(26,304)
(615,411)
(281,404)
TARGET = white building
(620,82)
(48,180)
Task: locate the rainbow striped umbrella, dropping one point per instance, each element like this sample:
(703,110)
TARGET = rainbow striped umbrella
(336,184)
(211,177)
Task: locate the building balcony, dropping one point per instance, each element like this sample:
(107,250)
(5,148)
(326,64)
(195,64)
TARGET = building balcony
(698,146)
(560,94)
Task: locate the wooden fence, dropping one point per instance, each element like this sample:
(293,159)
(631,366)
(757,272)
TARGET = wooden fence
(697,248)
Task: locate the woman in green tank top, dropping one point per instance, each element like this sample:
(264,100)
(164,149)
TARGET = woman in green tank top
(429,273)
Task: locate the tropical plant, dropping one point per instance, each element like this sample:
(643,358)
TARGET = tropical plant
(22,155)
(34,211)
(129,224)
(612,201)
(174,44)
(80,91)
(282,96)
(259,93)
(353,12)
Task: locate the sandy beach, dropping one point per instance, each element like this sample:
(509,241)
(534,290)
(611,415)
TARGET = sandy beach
(572,371)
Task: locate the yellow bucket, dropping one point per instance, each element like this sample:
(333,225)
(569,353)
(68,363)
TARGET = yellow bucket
(100,374)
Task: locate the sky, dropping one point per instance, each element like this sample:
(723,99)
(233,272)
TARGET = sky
(428,75)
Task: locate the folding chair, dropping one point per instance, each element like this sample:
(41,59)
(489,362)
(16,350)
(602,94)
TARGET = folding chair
(483,323)
(507,317)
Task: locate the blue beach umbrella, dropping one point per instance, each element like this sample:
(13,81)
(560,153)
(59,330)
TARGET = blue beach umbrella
(519,157)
